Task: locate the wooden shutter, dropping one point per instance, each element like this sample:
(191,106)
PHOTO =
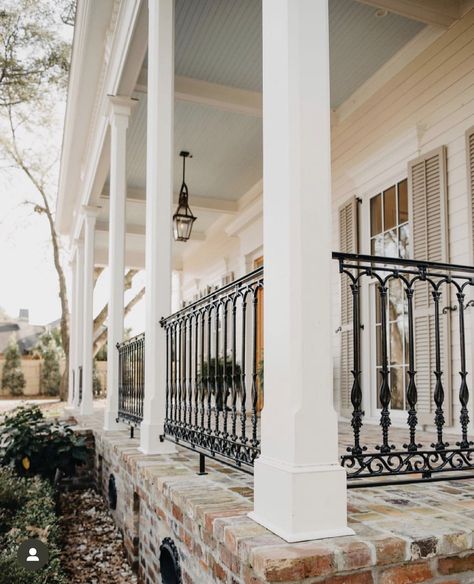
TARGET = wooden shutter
(429,236)
(348,243)
(470,179)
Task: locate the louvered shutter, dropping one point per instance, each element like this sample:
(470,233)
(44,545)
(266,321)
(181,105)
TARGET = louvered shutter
(470,177)
(348,243)
(429,233)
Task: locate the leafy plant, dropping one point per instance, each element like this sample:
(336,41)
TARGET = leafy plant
(36,446)
(13,379)
(27,510)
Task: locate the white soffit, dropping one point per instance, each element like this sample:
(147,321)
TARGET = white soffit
(220,41)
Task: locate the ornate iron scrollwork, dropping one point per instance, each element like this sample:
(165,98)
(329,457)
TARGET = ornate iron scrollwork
(170,568)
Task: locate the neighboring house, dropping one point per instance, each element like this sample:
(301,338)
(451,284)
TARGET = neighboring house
(351,131)
(22,331)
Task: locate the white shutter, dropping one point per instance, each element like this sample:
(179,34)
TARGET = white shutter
(470,178)
(348,243)
(429,236)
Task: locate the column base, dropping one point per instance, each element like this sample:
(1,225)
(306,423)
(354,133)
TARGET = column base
(150,442)
(86,409)
(70,410)
(111,424)
(300,503)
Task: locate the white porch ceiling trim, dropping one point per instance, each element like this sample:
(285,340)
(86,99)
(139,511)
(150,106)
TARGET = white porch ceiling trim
(122,44)
(224,97)
(436,12)
(138,231)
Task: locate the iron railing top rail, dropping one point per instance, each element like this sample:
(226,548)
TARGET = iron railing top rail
(134,339)
(214,295)
(360,259)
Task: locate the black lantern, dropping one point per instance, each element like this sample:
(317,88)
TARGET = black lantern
(183,219)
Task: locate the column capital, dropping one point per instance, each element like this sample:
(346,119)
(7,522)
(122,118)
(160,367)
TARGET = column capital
(120,107)
(90,212)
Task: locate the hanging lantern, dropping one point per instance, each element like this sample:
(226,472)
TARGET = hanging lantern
(183,219)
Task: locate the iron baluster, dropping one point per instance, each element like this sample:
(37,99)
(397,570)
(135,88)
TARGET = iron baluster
(356,391)
(439,390)
(463,389)
(412,393)
(384,393)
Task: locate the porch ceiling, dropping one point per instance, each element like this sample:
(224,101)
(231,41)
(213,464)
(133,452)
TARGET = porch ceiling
(219,43)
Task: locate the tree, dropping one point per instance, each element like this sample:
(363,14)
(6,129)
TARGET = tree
(34,61)
(49,349)
(13,379)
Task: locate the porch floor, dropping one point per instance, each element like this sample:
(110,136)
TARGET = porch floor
(404,533)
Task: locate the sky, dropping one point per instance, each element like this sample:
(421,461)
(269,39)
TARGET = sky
(28,277)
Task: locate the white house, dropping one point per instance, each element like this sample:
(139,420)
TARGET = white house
(314,126)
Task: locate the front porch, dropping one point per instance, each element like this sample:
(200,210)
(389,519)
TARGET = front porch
(406,533)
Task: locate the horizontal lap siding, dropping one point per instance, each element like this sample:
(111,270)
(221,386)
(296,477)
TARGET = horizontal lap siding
(430,103)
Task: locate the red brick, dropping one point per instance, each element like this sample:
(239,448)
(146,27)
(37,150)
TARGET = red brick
(406,574)
(177,513)
(456,564)
(359,578)
(292,562)
(390,550)
(355,554)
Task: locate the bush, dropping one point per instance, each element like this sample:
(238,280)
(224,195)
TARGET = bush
(13,379)
(49,349)
(27,510)
(36,446)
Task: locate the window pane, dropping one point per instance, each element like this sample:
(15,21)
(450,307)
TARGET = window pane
(377,245)
(376,215)
(396,386)
(390,244)
(378,338)
(395,300)
(396,343)
(403,242)
(389,208)
(402,201)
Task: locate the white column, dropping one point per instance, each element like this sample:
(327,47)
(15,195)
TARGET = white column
(300,487)
(90,216)
(79,340)
(72,331)
(159,191)
(120,108)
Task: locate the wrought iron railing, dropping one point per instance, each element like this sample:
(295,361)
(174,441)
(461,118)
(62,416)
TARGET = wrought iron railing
(422,306)
(131,380)
(80,386)
(214,372)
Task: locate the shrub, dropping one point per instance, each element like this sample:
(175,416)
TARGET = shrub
(13,379)
(27,510)
(49,349)
(36,446)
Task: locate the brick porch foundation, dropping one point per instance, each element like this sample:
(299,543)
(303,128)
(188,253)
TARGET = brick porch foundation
(404,534)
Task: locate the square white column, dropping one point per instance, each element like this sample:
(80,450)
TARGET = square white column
(90,217)
(78,315)
(120,109)
(300,487)
(159,197)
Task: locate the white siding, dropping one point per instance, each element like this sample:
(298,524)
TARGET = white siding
(430,103)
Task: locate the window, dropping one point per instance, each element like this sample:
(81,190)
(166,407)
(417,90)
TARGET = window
(389,231)
(390,237)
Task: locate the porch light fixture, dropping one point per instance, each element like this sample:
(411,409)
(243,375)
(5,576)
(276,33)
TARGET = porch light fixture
(183,219)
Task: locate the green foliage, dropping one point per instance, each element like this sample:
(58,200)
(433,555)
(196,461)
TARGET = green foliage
(49,348)
(34,57)
(13,379)
(208,376)
(27,510)
(96,384)
(36,446)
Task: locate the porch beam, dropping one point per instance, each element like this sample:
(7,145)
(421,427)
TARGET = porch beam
(300,486)
(435,12)
(211,204)
(224,97)
(159,198)
(139,231)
